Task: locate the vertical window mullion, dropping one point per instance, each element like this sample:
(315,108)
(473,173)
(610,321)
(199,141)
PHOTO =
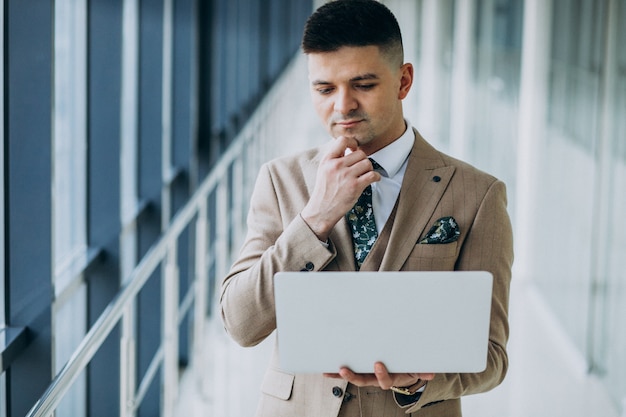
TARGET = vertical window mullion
(2,295)
(27,182)
(3,385)
(149,189)
(129,203)
(183,116)
(167,166)
(105,45)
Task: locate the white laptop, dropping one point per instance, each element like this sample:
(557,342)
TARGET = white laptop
(410,321)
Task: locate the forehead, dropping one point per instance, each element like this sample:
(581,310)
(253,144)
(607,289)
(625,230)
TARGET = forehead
(347,63)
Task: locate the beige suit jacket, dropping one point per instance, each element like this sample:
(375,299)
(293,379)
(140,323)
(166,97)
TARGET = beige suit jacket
(435,185)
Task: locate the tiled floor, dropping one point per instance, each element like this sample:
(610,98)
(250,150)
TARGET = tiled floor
(547,376)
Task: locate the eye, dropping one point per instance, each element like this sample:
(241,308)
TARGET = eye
(325,91)
(365,87)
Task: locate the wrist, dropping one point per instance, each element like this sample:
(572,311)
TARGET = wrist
(318,225)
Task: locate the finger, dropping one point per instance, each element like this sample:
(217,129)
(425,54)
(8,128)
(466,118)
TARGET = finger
(331,375)
(354,158)
(426,377)
(340,145)
(361,167)
(385,380)
(360,380)
(351,143)
(368,177)
(357,165)
(347,374)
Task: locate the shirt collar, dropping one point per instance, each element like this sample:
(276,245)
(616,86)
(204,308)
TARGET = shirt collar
(393,156)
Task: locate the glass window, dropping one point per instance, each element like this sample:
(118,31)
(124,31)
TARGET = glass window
(69,136)
(428,35)
(69,190)
(581,195)
(620,105)
(569,167)
(613,350)
(495,90)
(576,68)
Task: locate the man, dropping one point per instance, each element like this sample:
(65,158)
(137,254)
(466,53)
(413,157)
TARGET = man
(297,220)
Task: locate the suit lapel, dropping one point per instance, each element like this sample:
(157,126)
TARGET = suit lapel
(424,183)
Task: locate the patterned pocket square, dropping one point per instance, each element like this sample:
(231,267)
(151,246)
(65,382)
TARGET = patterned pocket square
(445,230)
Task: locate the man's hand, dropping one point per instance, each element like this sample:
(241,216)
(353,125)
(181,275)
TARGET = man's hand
(381,377)
(341,178)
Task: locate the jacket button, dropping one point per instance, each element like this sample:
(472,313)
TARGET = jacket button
(309,266)
(436,178)
(337,392)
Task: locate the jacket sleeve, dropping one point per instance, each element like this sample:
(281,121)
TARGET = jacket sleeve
(277,239)
(488,246)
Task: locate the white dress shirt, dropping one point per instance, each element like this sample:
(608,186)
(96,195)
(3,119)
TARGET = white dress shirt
(393,158)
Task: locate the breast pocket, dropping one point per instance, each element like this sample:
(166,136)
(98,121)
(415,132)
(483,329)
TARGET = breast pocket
(278,384)
(432,257)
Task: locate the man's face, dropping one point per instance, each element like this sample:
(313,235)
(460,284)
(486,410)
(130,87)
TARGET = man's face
(357,93)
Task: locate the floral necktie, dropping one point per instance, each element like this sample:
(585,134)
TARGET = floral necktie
(363,224)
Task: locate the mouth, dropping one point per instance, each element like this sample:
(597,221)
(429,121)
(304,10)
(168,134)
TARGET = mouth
(347,124)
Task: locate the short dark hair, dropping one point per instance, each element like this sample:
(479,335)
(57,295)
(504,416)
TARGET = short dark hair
(342,23)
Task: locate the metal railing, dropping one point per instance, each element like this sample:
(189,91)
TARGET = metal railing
(230,182)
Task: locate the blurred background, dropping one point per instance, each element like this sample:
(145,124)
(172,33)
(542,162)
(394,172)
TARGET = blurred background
(132,132)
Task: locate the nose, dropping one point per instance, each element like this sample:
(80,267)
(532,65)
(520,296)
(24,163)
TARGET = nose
(345,102)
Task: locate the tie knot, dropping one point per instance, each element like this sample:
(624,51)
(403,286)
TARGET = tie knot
(377,167)
(375,164)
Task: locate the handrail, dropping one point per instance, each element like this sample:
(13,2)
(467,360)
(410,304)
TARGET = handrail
(157,254)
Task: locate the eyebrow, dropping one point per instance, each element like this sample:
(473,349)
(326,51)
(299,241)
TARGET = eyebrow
(363,77)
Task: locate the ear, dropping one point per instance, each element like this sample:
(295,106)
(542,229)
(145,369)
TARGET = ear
(406,80)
